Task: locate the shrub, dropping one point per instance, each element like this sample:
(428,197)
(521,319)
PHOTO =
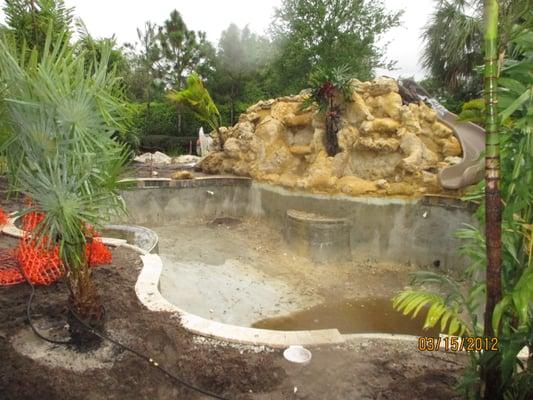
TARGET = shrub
(161,118)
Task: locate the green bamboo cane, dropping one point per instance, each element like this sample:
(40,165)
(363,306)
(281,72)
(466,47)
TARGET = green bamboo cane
(493,204)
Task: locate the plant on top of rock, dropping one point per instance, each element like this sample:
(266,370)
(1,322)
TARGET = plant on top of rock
(325,84)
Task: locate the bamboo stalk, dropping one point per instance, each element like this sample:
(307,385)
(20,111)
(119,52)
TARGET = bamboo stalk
(493,203)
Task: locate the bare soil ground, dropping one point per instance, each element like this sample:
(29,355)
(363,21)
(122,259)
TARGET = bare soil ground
(31,369)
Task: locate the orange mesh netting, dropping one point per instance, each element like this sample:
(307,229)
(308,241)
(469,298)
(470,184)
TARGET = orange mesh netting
(31,220)
(3,217)
(98,253)
(9,268)
(41,264)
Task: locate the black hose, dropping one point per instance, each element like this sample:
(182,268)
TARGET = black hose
(150,360)
(30,320)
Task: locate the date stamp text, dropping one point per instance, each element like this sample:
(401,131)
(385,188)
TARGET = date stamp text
(454,343)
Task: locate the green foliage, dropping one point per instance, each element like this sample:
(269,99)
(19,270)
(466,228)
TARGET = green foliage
(325,83)
(453,43)
(439,311)
(94,48)
(60,120)
(453,49)
(452,306)
(448,99)
(513,315)
(184,50)
(161,118)
(326,86)
(197,99)
(473,111)
(324,32)
(30,20)
(168,144)
(248,67)
(143,78)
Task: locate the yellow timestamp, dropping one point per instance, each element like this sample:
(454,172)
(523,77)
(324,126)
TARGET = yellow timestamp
(455,343)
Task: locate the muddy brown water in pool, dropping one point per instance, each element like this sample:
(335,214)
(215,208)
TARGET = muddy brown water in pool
(351,316)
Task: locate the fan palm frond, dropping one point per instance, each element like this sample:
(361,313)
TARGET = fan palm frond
(61,118)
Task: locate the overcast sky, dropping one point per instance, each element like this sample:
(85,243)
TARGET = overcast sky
(121,17)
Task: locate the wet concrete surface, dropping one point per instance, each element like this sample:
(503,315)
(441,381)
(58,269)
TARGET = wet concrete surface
(242,273)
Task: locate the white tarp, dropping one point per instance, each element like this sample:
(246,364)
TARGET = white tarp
(155,158)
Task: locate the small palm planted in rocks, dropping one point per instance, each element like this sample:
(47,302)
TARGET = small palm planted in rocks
(325,85)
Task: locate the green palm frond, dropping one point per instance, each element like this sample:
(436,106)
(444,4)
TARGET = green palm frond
(323,80)
(452,43)
(196,97)
(412,302)
(517,301)
(61,119)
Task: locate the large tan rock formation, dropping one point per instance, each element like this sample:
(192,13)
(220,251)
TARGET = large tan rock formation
(386,148)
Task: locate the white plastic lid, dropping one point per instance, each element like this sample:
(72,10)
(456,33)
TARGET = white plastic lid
(297,354)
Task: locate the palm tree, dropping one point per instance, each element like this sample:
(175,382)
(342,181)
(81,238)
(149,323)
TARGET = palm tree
(512,316)
(452,44)
(325,84)
(60,120)
(29,21)
(453,40)
(493,200)
(196,97)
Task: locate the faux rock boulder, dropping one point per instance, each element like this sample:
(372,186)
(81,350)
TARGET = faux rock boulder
(386,147)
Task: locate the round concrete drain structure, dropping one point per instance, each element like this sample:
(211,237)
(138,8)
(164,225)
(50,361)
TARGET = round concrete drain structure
(320,238)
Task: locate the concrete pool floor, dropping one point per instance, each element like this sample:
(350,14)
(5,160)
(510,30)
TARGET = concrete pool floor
(241,272)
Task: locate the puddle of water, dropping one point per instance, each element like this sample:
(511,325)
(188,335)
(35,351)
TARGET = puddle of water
(351,316)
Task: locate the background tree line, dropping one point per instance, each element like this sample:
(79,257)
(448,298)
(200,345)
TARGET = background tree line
(243,68)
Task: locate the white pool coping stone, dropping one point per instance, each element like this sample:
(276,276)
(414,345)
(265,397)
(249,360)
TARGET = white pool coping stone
(148,293)
(147,289)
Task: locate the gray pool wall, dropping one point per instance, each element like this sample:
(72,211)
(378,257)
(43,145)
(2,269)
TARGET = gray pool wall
(419,231)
